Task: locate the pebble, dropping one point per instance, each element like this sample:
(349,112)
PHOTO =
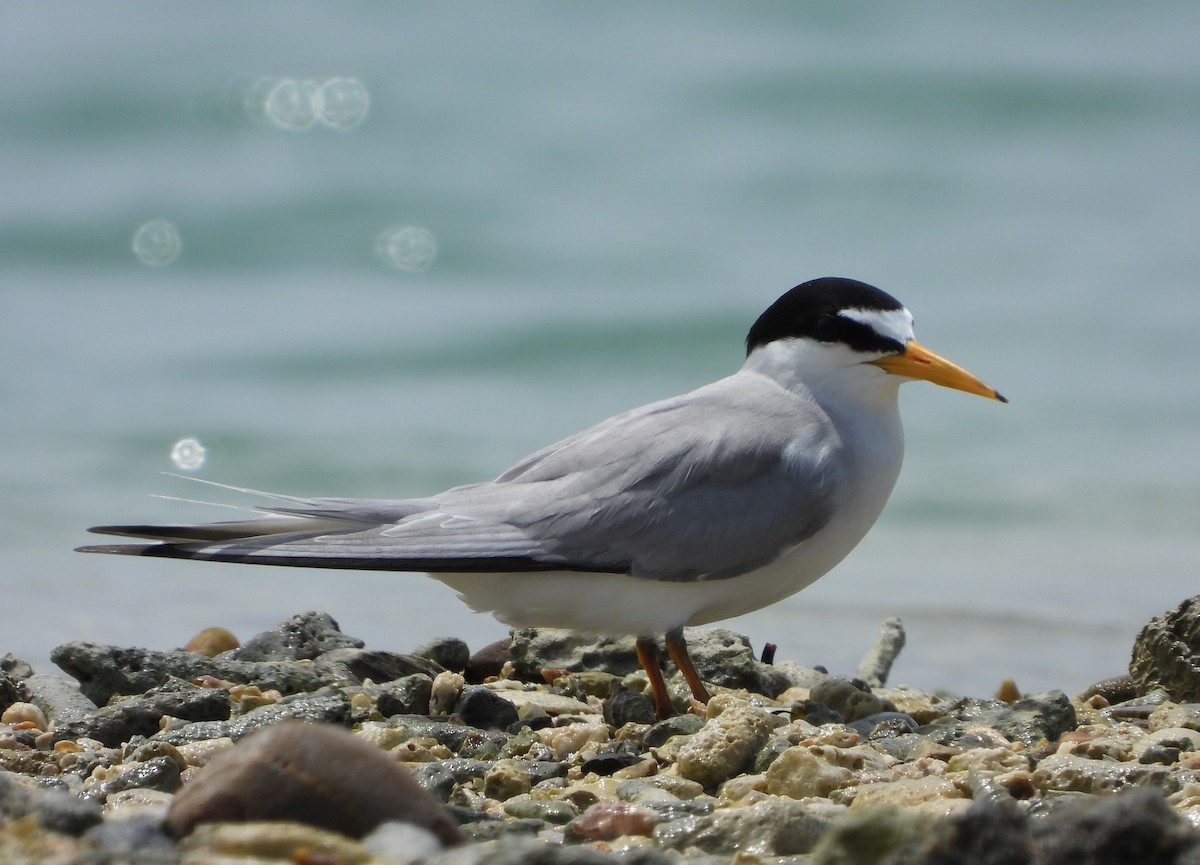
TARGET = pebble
(804,771)
(734,732)
(25,715)
(211,642)
(302,637)
(911,777)
(314,774)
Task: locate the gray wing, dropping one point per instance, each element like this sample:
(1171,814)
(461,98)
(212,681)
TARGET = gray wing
(707,485)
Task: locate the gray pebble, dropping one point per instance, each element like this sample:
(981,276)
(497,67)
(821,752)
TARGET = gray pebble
(16,667)
(780,827)
(330,707)
(554,811)
(535,649)
(302,637)
(53,809)
(850,698)
(450,653)
(59,698)
(626,706)
(159,773)
(140,716)
(408,695)
(680,725)
(1030,720)
(439,778)
(10,691)
(133,840)
(485,709)
(104,671)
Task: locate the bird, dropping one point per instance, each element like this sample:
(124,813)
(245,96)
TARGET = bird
(682,512)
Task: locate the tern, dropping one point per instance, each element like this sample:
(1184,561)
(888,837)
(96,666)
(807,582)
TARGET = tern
(685,511)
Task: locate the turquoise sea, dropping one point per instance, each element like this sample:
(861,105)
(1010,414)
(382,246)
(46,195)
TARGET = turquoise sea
(393,247)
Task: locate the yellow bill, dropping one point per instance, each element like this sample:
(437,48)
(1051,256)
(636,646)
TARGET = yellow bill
(916,361)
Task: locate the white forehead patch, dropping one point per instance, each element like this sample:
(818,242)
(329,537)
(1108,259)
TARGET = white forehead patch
(894,324)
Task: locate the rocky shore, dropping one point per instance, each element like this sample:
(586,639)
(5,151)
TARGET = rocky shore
(301,745)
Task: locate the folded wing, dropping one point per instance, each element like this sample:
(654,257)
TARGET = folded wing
(704,486)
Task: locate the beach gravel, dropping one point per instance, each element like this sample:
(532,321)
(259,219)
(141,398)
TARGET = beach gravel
(304,745)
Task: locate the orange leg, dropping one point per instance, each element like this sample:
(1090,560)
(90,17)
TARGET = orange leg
(647,652)
(677,649)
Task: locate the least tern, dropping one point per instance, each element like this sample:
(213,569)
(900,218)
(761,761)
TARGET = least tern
(685,511)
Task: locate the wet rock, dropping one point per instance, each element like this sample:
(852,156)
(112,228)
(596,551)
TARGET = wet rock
(10,691)
(1166,654)
(626,706)
(800,675)
(932,794)
(131,840)
(606,821)
(554,811)
(439,778)
(507,778)
(311,774)
(408,695)
(803,771)
(519,850)
(535,649)
(378,666)
(447,687)
(1070,773)
(878,835)
(17,668)
(723,657)
(777,827)
(728,741)
(484,708)
(119,722)
(332,707)
(148,750)
(53,809)
(302,637)
(876,665)
(464,741)
(1173,738)
(1174,715)
(105,671)
(60,699)
(261,841)
(449,653)
(552,704)
(851,699)
(680,725)
(1135,826)
(1033,719)
(884,725)
(158,773)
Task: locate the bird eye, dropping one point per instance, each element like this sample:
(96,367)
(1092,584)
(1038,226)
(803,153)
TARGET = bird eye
(827,328)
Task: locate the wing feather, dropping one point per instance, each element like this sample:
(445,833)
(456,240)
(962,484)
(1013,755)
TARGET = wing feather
(705,486)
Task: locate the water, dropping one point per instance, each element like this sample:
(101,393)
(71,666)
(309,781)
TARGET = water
(608,196)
